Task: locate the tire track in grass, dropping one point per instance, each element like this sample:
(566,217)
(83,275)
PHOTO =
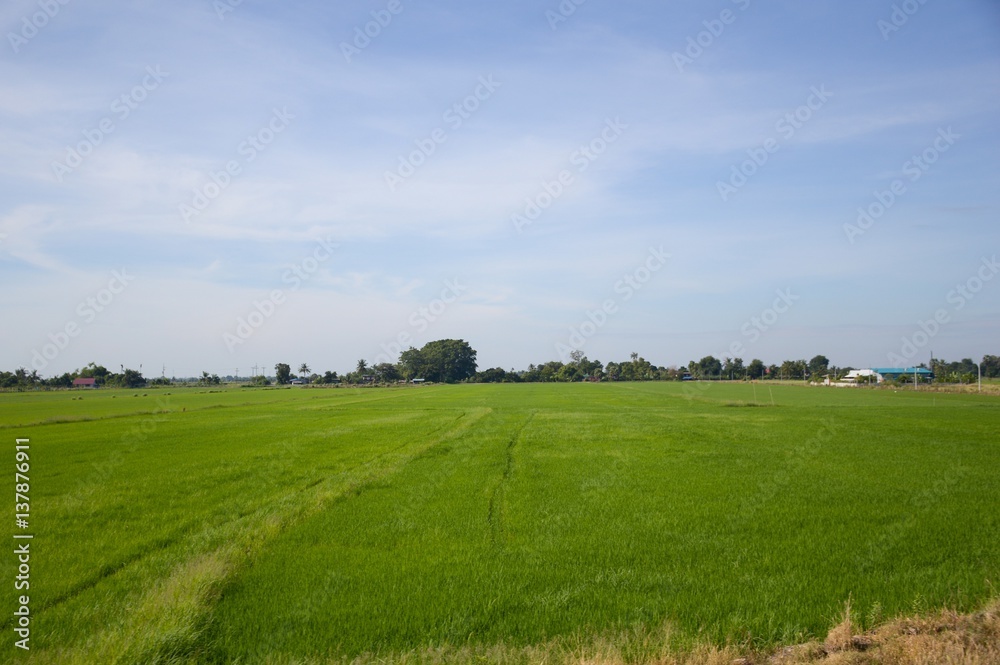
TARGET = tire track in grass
(496,514)
(113,568)
(147,550)
(361,400)
(165,624)
(72,420)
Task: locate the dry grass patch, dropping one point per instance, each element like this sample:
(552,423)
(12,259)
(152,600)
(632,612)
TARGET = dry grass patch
(946,637)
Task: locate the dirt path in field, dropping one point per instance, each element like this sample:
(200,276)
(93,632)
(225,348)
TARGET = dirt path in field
(165,624)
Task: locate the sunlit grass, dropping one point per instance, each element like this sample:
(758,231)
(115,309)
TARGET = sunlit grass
(304,524)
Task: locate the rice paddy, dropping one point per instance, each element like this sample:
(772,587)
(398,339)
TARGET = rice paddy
(315,525)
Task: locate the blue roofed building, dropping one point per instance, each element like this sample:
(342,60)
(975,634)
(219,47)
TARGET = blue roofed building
(893,373)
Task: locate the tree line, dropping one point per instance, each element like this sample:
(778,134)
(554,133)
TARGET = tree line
(637,368)
(454,361)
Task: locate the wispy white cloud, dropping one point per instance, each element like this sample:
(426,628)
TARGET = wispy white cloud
(324,175)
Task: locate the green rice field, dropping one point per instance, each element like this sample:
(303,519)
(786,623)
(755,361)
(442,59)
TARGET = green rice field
(321,525)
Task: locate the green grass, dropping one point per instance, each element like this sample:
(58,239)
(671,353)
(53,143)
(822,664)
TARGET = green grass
(287,525)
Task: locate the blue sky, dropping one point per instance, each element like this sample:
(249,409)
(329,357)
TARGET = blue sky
(745,158)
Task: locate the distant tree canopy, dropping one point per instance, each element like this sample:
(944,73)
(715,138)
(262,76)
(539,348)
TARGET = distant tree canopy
(709,366)
(129,378)
(442,361)
(495,375)
(386,373)
(733,368)
(282,373)
(94,371)
(819,365)
(965,370)
(209,379)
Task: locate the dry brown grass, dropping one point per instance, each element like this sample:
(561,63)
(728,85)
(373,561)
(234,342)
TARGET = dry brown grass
(946,637)
(943,638)
(967,388)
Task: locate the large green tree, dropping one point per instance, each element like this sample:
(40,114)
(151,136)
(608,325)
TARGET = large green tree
(386,372)
(94,371)
(819,365)
(282,373)
(412,364)
(709,366)
(448,360)
(442,361)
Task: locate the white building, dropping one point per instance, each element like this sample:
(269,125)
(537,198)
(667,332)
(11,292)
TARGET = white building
(855,374)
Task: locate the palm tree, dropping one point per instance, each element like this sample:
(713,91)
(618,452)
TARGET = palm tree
(304,371)
(362,366)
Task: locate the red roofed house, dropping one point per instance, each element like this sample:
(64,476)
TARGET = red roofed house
(84,383)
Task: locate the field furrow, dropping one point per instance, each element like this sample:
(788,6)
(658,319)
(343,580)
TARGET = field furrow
(496,515)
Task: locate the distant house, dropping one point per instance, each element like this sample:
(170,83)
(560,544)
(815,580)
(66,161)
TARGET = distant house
(298,382)
(888,373)
(84,383)
(418,380)
(856,374)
